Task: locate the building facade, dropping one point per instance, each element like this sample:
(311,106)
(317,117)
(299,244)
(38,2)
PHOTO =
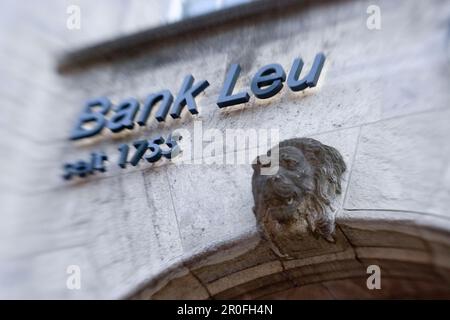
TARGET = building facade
(172,228)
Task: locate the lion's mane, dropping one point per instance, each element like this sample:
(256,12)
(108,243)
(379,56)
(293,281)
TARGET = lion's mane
(302,191)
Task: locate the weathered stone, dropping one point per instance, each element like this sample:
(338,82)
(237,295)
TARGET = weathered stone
(187,287)
(295,203)
(405,162)
(252,287)
(172,230)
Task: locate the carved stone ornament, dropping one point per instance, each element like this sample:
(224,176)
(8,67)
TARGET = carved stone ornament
(295,189)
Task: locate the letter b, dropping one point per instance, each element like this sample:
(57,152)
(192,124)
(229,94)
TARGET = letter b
(97,119)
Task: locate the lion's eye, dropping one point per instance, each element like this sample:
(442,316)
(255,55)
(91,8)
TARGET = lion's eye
(291,163)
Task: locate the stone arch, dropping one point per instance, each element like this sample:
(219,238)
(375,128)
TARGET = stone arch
(412,250)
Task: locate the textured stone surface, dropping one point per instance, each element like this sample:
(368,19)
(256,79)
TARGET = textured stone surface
(382,228)
(186,287)
(326,271)
(382,101)
(251,288)
(356,289)
(220,198)
(245,276)
(261,254)
(130,236)
(406,161)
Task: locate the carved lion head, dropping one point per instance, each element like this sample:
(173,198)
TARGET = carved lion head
(301,192)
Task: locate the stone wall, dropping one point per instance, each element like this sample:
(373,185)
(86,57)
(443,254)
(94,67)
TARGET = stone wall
(382,101)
